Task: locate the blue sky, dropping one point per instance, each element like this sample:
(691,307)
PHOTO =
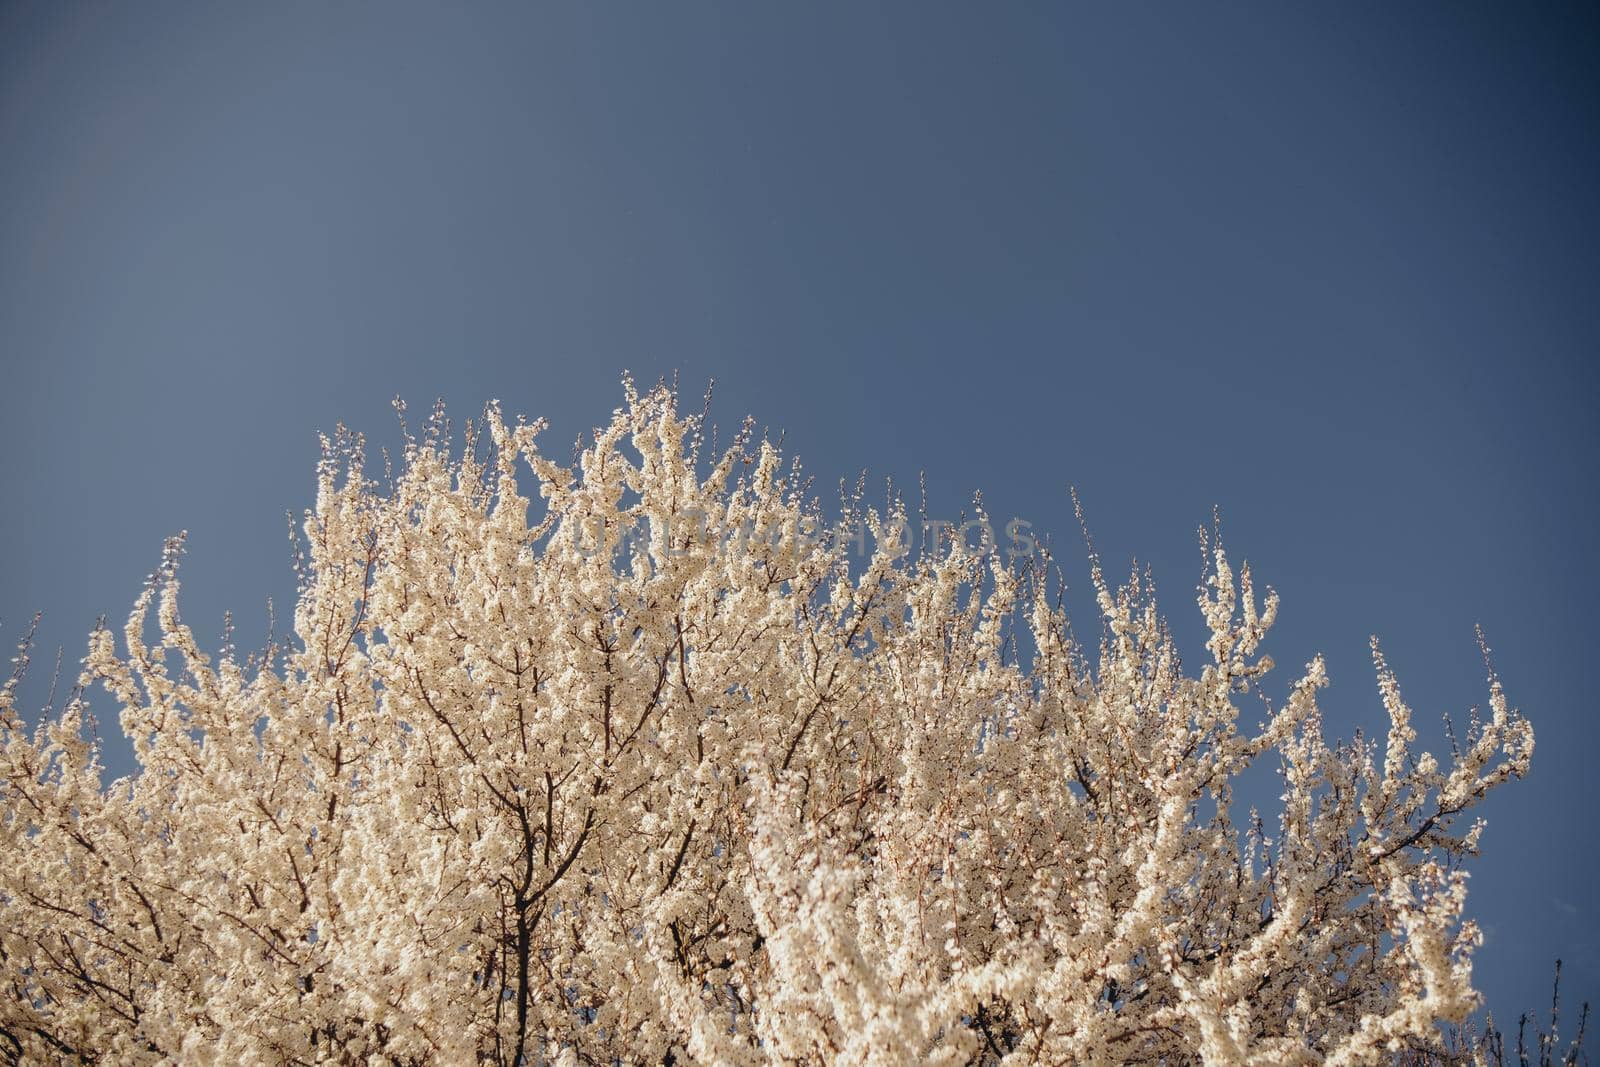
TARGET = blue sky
(1330,269)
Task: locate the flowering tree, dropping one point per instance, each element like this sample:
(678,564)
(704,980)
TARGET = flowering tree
(648,772)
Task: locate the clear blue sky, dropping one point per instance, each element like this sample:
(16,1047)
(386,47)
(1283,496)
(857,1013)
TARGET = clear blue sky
(1330,268)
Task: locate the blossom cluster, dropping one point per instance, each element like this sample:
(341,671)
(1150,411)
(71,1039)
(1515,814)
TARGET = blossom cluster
(719,799)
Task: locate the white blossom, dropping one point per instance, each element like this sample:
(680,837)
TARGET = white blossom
(611,767)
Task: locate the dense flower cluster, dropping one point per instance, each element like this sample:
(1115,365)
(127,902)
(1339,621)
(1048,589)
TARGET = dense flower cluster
(714,799)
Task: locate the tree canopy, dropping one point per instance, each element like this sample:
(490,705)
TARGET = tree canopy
(644,760)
